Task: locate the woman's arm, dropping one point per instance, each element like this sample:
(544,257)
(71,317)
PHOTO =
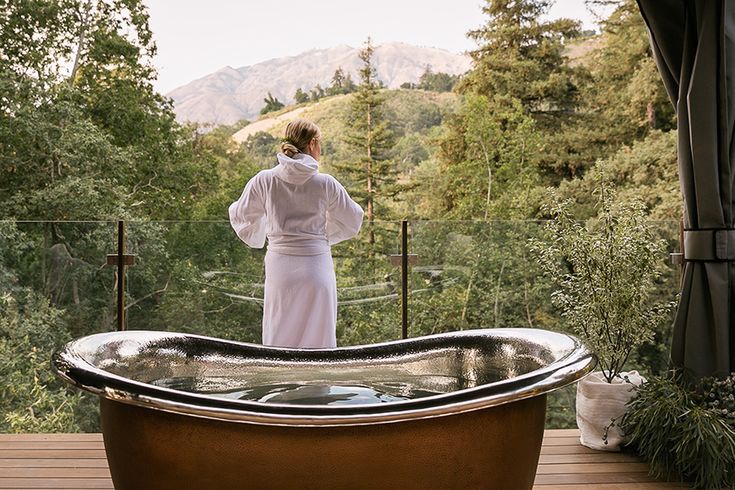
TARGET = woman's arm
(344,216)
(247,216)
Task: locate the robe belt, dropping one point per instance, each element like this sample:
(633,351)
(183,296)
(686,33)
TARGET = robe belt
(710,245)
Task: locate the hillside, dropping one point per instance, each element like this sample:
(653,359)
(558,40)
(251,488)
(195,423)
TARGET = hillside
(410,111)
(232,94)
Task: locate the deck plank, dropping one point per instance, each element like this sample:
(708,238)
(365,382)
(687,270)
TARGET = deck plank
(54,463)
(79,436)
(598,457)
(584,468)
(72,483)
(10,445)
(613,486)
(77,461)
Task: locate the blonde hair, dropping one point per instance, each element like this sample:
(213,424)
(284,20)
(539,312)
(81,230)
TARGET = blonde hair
(299,134)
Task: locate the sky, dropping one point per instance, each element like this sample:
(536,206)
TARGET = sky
(196,38)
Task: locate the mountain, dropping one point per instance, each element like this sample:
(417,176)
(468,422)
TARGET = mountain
(231,94)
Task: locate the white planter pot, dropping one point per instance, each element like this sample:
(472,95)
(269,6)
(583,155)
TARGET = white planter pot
(598,402)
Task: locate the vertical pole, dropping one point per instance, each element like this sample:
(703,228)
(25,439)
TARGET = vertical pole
(404,277)
(120,275)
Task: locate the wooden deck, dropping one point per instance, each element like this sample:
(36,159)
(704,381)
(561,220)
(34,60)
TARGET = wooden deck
(77,461)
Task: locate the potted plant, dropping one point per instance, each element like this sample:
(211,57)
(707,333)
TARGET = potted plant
(605,273)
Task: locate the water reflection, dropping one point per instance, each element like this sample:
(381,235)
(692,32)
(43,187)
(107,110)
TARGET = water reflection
(316,393)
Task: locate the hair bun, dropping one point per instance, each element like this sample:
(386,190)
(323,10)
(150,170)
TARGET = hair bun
(289,149)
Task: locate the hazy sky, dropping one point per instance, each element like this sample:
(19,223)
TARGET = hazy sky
(197,37)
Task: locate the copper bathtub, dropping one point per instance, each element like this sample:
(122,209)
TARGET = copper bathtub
(462,410)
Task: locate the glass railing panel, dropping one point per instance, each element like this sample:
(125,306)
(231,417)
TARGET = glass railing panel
(474,274)
(194,277)
(483,275)
(54,287)
(63,264)
(368,285)
(198,277)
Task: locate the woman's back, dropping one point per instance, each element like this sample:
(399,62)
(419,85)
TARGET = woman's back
(296,205)
(303,211)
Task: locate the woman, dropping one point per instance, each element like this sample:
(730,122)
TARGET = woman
(302,213)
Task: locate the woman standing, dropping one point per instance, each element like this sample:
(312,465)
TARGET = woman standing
(301,213)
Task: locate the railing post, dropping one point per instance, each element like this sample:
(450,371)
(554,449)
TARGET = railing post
(120,260)
(120,275)
(404,259)
(404,278)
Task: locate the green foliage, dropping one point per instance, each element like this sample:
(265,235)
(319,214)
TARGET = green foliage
(341,83)
(370,175)
(606,273)
(476,274)
(645,171)
(89,116)
(437,82)
(31,397)
(621,99)
(301,97)
(368,286)
(684,431)
(317,93)
(522,57)
(625,86)
(487,160)
(271,104)
(83,135)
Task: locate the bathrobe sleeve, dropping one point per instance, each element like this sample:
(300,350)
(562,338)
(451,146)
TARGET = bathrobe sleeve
(344,216)
(247,215)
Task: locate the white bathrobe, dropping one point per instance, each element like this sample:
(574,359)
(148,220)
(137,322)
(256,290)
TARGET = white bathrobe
(302,213)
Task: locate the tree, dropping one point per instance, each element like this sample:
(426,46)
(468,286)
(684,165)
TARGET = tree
(271,104)
(487,161)
(83,136)
(341,83)
(317,93)
(437,82)
(521,56)
(626,88)
(621,98)
(78,104)
(371,176)
(300,96)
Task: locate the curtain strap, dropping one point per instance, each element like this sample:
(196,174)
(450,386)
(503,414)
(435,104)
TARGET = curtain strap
(710,245)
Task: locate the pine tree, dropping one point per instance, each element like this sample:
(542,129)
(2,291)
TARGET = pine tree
(371,176)
(626,88)
(341,83)
(520,56)
(300,96)
(349,85)
(437,82)
(271,104)
(338,81)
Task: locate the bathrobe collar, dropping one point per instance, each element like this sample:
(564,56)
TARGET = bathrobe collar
(296,170)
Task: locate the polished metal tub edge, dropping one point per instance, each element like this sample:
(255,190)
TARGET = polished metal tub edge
(564,371)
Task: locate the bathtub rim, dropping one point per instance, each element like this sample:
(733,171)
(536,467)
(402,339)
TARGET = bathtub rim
(577,363)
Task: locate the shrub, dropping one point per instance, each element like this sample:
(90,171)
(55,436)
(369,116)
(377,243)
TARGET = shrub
(685,431)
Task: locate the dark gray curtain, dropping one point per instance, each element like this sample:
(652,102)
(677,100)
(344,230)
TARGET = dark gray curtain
(693,42)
